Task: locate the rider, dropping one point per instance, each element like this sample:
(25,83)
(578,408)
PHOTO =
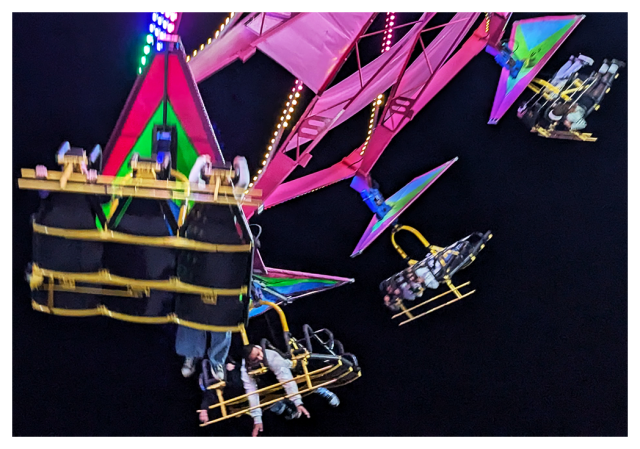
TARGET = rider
(573,115)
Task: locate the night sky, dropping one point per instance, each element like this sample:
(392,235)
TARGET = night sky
(541,347)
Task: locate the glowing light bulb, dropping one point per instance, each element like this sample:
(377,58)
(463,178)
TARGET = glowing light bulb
(151,28)
(263,163)
(290,109)
(275,133)
(143,60)
(232,14)
(226,21)
(386,48)
(279,125)
(269,148)
(215,36)
(139,70)
(159,46)
(156,32)
(259,171)
(297,95)
(300,87)
(164,24)
(379,102)
(209,41)
(171,28)
(154,16)
(250,184)
(273,140)
(255,178)
(188,58)
(174,16)
(285,124)
(393,17)
(294,102)
(202,47)
(288,116)
(290,96)
(287,104)
(146,49)
(149,39)
(195,52)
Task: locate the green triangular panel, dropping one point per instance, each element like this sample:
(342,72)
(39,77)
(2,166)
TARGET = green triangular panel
(531,55)
(187,154)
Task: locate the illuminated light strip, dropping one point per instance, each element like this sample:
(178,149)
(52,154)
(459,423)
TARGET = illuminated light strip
(487,18)
(285,119)
(215,36)
(386,45)
(162,24)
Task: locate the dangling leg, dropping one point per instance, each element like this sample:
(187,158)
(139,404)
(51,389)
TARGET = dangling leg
(218,351)
(191,344)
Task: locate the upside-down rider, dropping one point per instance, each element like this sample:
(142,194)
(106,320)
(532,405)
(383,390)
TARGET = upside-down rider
(572,115)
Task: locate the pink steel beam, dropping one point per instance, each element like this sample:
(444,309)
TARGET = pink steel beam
(281,166)
(382,135)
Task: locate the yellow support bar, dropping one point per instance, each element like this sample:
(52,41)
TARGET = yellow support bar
(138,192)
(273,401)
(415,232)
(120,237)
(103,311)
(547,85)
(283,318)
(104,277)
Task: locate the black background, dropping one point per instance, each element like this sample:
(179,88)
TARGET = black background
(540,349)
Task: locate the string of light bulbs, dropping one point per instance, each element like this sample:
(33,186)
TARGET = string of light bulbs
(285,118)
(215,36)
(386,45)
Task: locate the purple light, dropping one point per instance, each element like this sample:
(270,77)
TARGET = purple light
(151,28)
(393,17)
(167,14)
(387,48)
(154,16)
(171,27)
(156,32)
(159,46)
(159,20)
(174,16)
(164,24)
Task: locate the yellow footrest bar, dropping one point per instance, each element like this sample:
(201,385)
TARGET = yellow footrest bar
(105,278)
(120,237)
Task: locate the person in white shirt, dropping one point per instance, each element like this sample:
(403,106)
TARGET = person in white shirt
(573,116)
(281,367)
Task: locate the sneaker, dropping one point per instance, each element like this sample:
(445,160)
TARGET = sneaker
(587,60)
(330,396)
(620,64)
(217,373)
(189,366)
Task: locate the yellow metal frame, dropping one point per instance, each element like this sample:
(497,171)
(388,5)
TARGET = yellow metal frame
(407,312)
(102,310)
(141,187)
(103,277)
(120,237)
(414,231)
(306,379)
(550,132)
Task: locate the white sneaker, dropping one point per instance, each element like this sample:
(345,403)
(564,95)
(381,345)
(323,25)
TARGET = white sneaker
(189,366)
(587,60)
